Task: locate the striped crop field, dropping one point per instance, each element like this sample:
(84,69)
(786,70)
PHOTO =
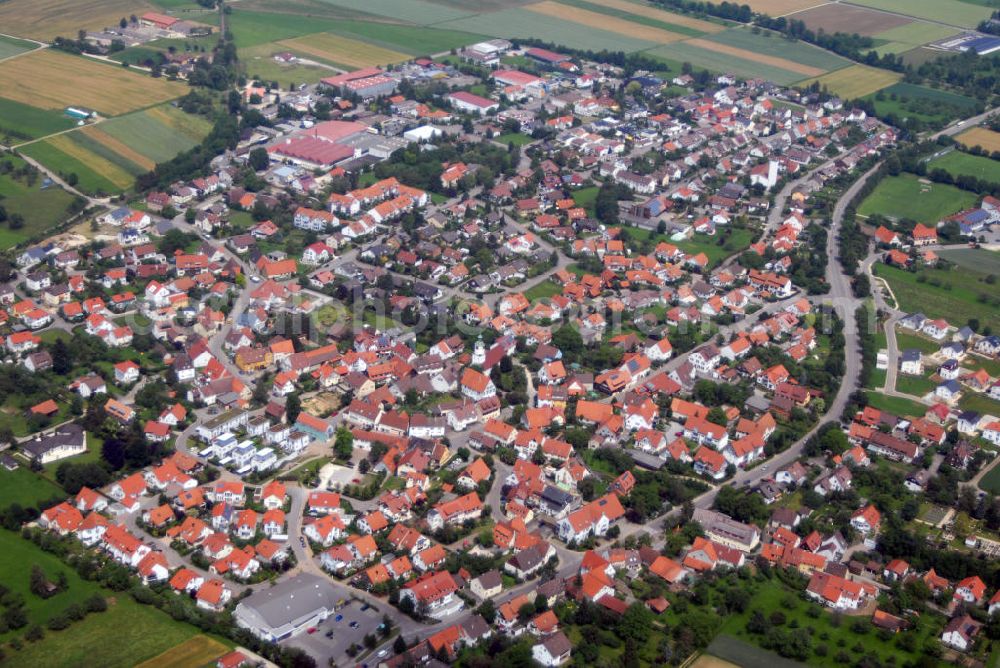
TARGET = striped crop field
(53,80)
(662,15)
(590,19)
(157,134)
(339,50)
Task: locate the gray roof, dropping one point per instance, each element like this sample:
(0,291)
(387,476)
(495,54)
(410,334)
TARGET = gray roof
(278,608)
(68,434)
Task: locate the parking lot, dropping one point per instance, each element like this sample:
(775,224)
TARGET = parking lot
(353,626)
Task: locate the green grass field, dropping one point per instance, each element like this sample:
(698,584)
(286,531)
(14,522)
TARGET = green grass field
(975,259)
(543,290)
(905,37)
(517,23)
(981,403)
(253,28)
(895,405)
(586,197)
(772,44)
(90,181)
(515,138)
(419,12)
(957,163)
(772,596)
(41,208)
(908,100)
(259,64)
(595,6)
(905,196)
(23,486)
(991,481)
(915,386)
(956,298)
(159,133)
(706,59)
(951,12)
(905,340)
(11,46)
(15,556)
(414,40)
(24,122)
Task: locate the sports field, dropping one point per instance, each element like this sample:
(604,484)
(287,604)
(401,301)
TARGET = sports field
(22,121)
(907,196)
(342,51)
(196,651)
(590,19)
(952,12)
(46,19)
(988,139)
(957,163)
(838,17)
(54,80)
(856,81)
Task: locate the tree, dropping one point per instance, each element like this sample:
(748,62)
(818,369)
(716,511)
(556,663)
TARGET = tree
(259,159)
(38,583)
(293,406)
(61,362)
(343,445)
(636,623)
(399,646)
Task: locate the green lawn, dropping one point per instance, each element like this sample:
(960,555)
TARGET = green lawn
(976,259)
(895,405)
(905,196)
(981,403)
(738,241)
(717,247)
(916,386)
(905,340)
(956,297)
(543,290)
(42,208)
(24,122)
(515,138)
(991,481)
(801,617)
(586,197)
(958,163)
(24,486)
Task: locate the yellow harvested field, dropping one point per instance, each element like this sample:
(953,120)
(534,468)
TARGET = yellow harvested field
(344,51)
(585,17)
(193,653)
(753,56)
(651,12)
(102,166)
(119,147)
(781,7)
(856,81)
(46,19)
(984,137)
(53,80)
